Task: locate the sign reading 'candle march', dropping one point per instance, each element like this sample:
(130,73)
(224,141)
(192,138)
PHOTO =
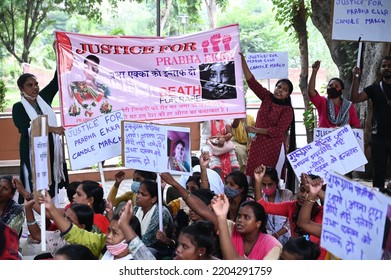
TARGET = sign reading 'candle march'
(96,140)
(338,151)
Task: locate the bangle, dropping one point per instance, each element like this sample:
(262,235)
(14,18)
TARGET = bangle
(188,195)
(311,201)
(31,223)
(276,233)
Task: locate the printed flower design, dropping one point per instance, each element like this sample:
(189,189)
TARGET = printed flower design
(74,110)
(106,108)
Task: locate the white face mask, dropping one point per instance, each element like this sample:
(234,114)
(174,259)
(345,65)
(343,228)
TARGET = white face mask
(117,248)
(28,97)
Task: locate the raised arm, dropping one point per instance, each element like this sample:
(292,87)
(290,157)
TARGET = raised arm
(246,71)
(312,81)
(259,172)
(56,215)
(195,204)
(304,219)
(220,205)
(356,97)
(204,162)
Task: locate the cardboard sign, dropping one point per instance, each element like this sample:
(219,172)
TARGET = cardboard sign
(354,216)
(156,148)
(94,141)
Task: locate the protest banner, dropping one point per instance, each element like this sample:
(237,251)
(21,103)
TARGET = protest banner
(366,19)
(359,133)
(95,140)
(156,148)
(268,65)
(353,219)
(338,151)
(190,78)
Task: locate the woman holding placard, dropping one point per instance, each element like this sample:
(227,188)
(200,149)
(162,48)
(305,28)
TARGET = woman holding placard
(34,103)
(334,110)
(275,119)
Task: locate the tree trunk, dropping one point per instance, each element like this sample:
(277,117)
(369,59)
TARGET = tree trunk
(211,7)
(300,26)
(165,16)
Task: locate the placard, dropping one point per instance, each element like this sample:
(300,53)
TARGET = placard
(268,65)
(96,140)
(354,219)
(338,151)
(359,133)
(156,148)
(369,20)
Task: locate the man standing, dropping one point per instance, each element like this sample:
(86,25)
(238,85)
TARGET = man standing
(380,95)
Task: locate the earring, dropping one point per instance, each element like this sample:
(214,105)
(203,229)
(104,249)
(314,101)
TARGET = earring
(200,254)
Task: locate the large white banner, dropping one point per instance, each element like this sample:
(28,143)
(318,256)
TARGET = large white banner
(338,151)
(189,78)
(354,219)
(96,140)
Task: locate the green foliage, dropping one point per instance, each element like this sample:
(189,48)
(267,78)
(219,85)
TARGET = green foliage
(3,91)
(309,118)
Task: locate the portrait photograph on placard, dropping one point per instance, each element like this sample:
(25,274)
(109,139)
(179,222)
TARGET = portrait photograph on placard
(178,151)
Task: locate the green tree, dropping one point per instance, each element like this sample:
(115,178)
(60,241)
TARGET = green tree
(22,21)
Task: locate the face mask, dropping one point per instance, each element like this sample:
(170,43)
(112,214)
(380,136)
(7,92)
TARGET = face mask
(333,93)
(28,97)
(230,193)
(270,190)
(117,248)
(135,186)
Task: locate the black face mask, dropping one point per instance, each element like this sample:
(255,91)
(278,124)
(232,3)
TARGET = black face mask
(333,92)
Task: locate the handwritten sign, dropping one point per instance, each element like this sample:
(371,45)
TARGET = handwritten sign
(353,219)
(41,162)
(150,147)
(359,133)
(94,141)
(338,151)
(268,65)
(368,19)
(154,79)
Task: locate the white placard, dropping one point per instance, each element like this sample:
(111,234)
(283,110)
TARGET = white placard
(96,140)
(41,162)
(338,151)
(354,216)
(268,65)
(147,146)
(359,133)
(368,19)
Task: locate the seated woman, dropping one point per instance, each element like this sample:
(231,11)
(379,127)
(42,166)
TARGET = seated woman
(80,215)
(147,212)
(138,177)
(120,243)
(270,247)
(249,239)
(196,242)
(9,243)
(300,248)
(91,193)
(176,161)
(291,209)
(215,135)
(278,226)
(11,213)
